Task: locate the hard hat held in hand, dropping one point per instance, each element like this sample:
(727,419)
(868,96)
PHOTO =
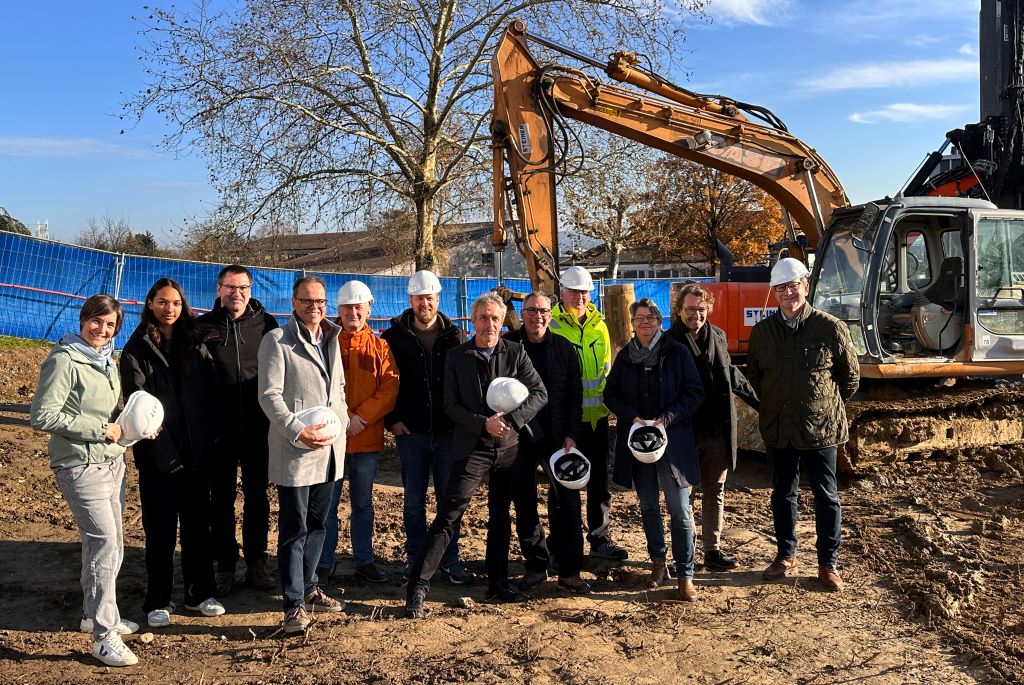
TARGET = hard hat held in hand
(317,415)
(647,442)
(506,394)
(142,417)
(423,283)
(571,469)
(577,278)
(788,270)
(354,292)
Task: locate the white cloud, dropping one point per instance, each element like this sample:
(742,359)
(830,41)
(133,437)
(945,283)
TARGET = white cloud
(760,12)
(895,74)
(908,112)
(968,49)
(15,146)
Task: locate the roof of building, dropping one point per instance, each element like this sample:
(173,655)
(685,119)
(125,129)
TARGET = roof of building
(597,257)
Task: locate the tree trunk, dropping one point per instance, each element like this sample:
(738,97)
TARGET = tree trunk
(425,220)
(614,253)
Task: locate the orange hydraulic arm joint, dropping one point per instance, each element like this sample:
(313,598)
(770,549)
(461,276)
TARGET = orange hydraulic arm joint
(664,116)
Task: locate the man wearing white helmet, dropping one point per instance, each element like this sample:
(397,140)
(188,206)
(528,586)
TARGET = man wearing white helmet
(484,446)
(371,388)
(556,427)
(576,319)
(301,368)
(420,338)
(803,366)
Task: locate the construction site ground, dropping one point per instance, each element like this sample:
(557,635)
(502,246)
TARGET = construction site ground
(932,552)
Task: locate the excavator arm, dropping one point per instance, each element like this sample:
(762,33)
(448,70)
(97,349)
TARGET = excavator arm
(531,100)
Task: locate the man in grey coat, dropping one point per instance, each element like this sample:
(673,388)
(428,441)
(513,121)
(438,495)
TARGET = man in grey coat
(300,368)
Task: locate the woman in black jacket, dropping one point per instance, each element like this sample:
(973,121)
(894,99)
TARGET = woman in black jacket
(654,379)
(165,357)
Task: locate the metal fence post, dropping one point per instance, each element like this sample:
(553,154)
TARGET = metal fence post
(118,274)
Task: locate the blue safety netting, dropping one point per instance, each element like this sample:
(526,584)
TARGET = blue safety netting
(43,284)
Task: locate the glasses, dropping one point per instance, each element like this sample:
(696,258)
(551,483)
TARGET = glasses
(539,311)
(307,302)
(651,318)
(789,287)
(571,294)
(236,288)
(696,310)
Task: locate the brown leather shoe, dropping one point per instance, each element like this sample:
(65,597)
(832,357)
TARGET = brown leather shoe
(830,578)
(780,568)
(687,590)
(659,573)
(257,575)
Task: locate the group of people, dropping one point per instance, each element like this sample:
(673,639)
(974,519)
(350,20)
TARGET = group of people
(238,391)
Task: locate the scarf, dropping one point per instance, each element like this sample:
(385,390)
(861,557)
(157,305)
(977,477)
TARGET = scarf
(101,358)
(646,356)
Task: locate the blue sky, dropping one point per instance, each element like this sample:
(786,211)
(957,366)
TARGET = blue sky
(873,85)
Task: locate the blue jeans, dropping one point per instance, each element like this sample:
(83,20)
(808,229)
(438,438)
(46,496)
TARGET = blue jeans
(422,454)
(821,470)
(95,493)
(648,479)
(360,469)
(300,538)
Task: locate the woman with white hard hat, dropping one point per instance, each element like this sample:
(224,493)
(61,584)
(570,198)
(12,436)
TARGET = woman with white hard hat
(166,358)
(653,390)
(75,402)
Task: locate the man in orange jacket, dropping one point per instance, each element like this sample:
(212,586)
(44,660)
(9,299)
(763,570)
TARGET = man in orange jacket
(371,388)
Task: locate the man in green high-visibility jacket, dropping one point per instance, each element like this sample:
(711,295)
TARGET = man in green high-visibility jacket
(576,319)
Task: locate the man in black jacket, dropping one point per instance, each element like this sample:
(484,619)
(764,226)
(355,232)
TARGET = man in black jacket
(232,332)
(555,427)
(714,422)
(420,338)
(484,445)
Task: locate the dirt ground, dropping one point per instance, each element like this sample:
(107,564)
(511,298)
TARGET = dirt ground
(932,554)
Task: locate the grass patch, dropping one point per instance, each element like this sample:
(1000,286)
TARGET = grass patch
(9,343)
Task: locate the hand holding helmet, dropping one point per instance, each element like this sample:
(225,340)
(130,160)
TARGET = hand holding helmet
(322,427)
(141,418)
(647,440)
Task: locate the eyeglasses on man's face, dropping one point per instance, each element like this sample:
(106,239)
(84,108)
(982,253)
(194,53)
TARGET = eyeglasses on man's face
(649,318)
(690,311)
(536,311)
(236,288)
(309,303)
(793,286)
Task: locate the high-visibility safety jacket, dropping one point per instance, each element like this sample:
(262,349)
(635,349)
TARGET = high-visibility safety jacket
(594,348)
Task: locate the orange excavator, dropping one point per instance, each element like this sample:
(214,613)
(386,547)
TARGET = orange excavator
(932,288)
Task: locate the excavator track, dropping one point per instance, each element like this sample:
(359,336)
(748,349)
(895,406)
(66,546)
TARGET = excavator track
(892,423)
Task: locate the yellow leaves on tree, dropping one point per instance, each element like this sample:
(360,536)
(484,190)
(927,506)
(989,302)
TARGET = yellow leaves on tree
(690,207)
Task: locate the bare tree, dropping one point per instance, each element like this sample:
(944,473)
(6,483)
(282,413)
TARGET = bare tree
(11,225)
(691,207)
(115,234)
(326,111)
(600,199)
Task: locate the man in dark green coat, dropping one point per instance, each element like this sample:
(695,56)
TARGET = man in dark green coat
(803,365)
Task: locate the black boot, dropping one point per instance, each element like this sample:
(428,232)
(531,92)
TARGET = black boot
(716,560)
(414,601)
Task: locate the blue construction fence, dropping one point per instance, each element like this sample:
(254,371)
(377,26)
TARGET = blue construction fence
(43,284)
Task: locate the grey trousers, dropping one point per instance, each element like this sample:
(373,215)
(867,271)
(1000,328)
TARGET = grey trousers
(714,459)
(95,493)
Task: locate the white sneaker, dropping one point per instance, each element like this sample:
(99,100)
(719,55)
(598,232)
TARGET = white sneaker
(124,627)
(208,607)
(112,651)
(159,618)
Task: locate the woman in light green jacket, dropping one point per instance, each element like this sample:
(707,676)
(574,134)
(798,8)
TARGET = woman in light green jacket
(75,402)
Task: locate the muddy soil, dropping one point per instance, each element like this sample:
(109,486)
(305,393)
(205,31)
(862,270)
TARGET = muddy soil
(932,554)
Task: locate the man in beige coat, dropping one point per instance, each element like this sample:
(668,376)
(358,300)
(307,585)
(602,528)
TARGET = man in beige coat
(300,368)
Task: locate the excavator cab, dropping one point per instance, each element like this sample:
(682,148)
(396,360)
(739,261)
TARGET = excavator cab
(926,285)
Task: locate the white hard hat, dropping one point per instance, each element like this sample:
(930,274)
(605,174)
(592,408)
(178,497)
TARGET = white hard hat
(577,278)
(570,469)
(142,416)
(423,283)
(317,415)
(506,394)
(647,443)
(354,292)
(788,270)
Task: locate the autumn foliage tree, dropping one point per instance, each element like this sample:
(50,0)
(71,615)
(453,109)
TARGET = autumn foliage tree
(323,111)
(690,207)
